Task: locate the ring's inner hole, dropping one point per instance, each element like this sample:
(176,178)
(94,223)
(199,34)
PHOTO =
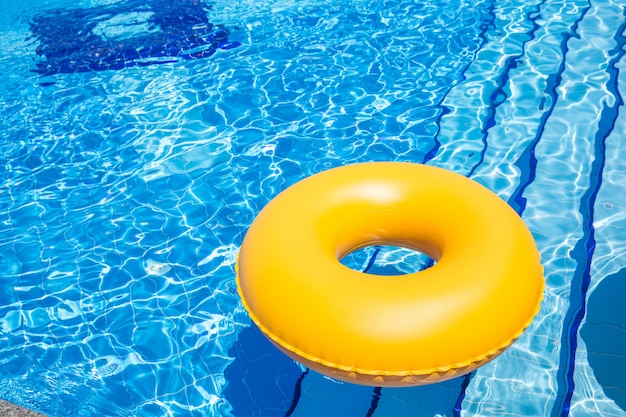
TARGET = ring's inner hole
(387,260)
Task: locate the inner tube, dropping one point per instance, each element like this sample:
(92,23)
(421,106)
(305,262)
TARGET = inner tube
(414,329)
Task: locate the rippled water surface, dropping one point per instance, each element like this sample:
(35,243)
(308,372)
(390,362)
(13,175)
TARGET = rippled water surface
(138,146)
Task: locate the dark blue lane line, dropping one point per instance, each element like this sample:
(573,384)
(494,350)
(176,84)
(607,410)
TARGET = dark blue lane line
(584,249)
(496,99)
(527,162)
(499,95)
(488,24)
(458,406)
(297,393)
(377,390)
(372,260)
(374,403)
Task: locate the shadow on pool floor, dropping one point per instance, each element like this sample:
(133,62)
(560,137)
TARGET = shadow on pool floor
(604,333)
(125,34)
(264,382)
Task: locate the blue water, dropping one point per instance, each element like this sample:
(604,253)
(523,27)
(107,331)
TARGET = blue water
(125,191)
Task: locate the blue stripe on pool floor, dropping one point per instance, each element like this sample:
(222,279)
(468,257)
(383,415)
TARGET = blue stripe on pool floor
(585,247)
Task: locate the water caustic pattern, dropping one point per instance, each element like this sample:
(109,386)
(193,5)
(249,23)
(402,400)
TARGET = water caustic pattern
(124,196)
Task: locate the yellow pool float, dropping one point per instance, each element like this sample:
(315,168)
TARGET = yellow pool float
(405,330)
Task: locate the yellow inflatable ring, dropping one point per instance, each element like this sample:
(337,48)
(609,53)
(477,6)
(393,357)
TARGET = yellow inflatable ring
(404,330)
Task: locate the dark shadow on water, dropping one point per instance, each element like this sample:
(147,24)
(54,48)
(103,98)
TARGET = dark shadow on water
(261,380)
(264,382)
(604,333)
(125,34)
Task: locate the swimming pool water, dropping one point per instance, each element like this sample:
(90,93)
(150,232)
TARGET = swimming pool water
(125,194)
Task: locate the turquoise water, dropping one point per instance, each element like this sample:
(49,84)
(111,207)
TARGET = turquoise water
(125,192)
